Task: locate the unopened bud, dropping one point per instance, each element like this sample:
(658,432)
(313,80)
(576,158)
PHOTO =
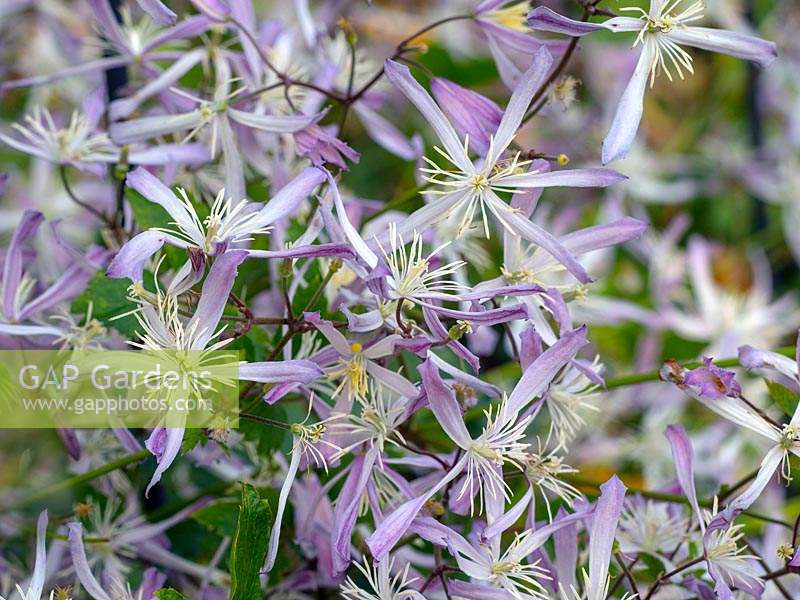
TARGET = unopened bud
(286,269)
(121,168)
(671,371)
(349,33)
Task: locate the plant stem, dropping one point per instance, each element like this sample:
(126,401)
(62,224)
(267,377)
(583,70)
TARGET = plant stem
(77,480)
(636,378)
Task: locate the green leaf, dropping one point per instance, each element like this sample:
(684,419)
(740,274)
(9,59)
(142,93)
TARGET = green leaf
(783,397)
(219,518)
(109,299)
(169,594)
(249,547)
(191,438)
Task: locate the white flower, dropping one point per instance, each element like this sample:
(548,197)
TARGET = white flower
(571,395)
(514,574)
(382,586)
(647,526)
(77,142)
(410,275)
(499,445)
(380,414)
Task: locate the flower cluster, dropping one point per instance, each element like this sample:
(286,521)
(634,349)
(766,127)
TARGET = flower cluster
(356,198)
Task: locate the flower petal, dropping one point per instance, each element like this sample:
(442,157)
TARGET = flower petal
(214,297)
(540,373)
(401,77)
(78,553)
(301,371)
(290,196)
(626,120)
(601,537)
(733,43)
(443,403)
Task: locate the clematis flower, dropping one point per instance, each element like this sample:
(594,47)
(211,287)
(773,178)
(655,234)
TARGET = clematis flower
(661,31)
(231,222)
(214,115)
(128,535)
(163,328)
(499,444)
(382,584)
(130,42)
(353,363)
(473,186)
(81,145)
(726,564)
(785,438)
(307,441)
(727,316)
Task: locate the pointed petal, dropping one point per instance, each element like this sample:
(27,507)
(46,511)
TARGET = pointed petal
(165,456)
(443,403)
(358,243)
(81,565)
(214,296)
(540,373)
(131,258)
(402,79)
(300,371)
(158,11)
(234,166)
(520,100)
(543,19)
(766,471)
(39,574)
(567,178)
(290,196)
(733,43)
(601,537)
(138,130)
(275,533)
(629,110)
(273,123)
(149,186)
(12,266)
(682,456)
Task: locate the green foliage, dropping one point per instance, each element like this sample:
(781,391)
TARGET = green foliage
(783,397)
(249,546)
(169,594)
(219,518)
(108,298)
